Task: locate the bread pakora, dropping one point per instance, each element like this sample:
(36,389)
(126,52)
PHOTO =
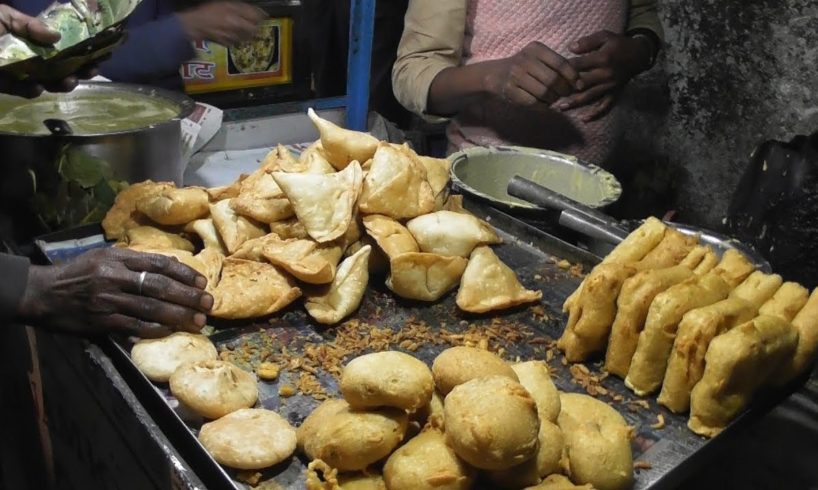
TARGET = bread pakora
(333,303)
(213,388)
(457,365)
(673,248)
(701,260)
(249,439)
(489,285)
(159,358)
(449,233)
(427,462)
(387,379)
(806,322)
(786,302)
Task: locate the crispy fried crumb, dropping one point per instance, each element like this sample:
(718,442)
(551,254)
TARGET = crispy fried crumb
(286,391)
(537,277)
(564,264)
(249,477)
(320,476)
(642,465)
(268,371)
(660,422)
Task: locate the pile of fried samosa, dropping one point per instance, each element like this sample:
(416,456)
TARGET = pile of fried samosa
(706,332)
(316,226)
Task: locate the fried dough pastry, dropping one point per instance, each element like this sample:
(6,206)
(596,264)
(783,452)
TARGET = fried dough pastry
(174,206)
(673,248)
(212,262)
(206,231)
(734,267)
(786,302)
(253,249)
(396,185)
(701,260)
(491,423)
(558,482)
(222,192)
(391,236)
(632,306)
(806,323)
(738,363)
(159,358)
(261,199)
(437,174)
(315,160)
(213,388)
(457,365)
(289,228)
(351,440)
(249,439)
(343,146)
(378,262)
(451,234)
(306,260)
(597,440)
(360,481)
(649,362)
(548,460)
(249,289)
(387,379)
(592,314)
(154,238)
(454,203)
(324,204)
(757,288)
(336,301)
(233,229)
(424,277)
(426,462)
(123,215)
(536,379)
(489,285)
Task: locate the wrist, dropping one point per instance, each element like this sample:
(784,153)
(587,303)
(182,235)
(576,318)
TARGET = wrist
(647,46)
(34,305)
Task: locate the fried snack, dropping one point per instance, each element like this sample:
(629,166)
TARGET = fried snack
(806,323)
(786,302)
(536,379)
(437,174)
(632,306)
(314,160)
(261,199)
(289,228)
(451,234)
(213,388)
(249,439)
(253,249)
(174,206)
(336,301)
(558,482)
(491,423)
(350,440)
(432,413)
(378,262)
(396,185)
(355,481)
(592,314)
(734,268)
(701,260)
(757,288)
(207,232)
(489,285)
(673,248)
(212,262)
(424,277)
(739,362)
(649,362)
(597,440)
(426,462)
(123,214)
(547,461)
(387,379)
(392,237)
(159,358)
(324,204)
(454,203)
(306,260)
(342,146)
(233,229)
(148,237)
(457,365)
(249,289)
(223,192)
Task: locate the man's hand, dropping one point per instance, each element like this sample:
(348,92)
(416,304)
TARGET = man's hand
(225,22)
(535,75)
(605,62)
(29,28)
(99,292)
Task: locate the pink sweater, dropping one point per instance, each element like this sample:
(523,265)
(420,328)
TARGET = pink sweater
(501,28)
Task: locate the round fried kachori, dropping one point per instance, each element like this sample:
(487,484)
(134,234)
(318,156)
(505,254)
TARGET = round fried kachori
(159,358)
(426,462)
(249,439)
(214,388)
(457,365)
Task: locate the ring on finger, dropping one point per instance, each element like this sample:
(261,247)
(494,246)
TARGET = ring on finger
(142,276)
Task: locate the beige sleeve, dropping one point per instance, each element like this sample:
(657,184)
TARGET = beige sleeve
(432,41)
(643,15)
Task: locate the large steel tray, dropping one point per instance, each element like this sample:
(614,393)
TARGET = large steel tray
(667,454)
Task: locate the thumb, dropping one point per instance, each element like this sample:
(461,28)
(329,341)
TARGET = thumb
(589,43)
(38,32)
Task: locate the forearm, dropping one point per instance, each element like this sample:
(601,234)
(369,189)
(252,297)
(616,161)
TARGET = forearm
(458,87)
(15,271)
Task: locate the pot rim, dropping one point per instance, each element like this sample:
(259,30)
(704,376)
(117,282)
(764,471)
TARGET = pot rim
(184,103)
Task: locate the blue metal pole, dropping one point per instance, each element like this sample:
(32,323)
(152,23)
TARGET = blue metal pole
(361,32)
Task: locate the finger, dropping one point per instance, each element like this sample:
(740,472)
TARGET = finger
(88,72)
(24,88)
(164,288)
(556,63)
(27,27)
(160,264)
(128,325)
(518,96)
(588,62)
(65,85)
(550,80)
(590,43)
(602,107)
(156,311)
(538,90)
(587,96)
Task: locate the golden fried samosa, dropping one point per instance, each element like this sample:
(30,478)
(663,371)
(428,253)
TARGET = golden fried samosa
(233,229)
(289,228)
(396,185)
(306,260)
(454,203)
(592,314)
(333,303)
(253,249)
(632,307)
(182,256)
(262,199)
(738,363)
(249,289)
(207,232)
(150,237)
(175,206)
(673,248)
(343,146)
(437,174)
(701,260)
(324,204)
(123,215)
(450,233)
(489,285)
(649,361)
(786,302)
(212,262)
(392,237)
(734,267)
(222,192)
(806,323)
(378,261)
(424,276)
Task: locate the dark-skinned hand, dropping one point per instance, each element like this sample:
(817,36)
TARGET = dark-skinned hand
(606,62)
(225,22)
(98,292)
(535,75)
(30,28)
